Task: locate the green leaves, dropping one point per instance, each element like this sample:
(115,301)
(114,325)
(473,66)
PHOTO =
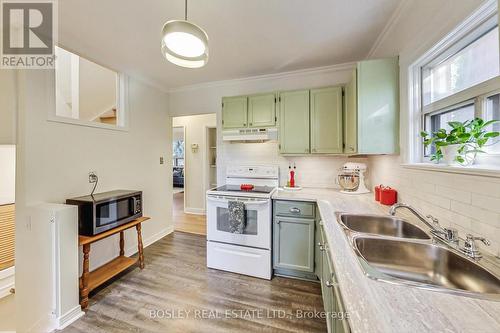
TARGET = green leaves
(471,135)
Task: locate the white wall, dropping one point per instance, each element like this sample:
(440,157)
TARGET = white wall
(206,98)
(7,174)
(469,203)
(8,104)
(195,162)
(97,89)
(54,160)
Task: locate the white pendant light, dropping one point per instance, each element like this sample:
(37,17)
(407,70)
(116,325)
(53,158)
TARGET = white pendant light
(184,44)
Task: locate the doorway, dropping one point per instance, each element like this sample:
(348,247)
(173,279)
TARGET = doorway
(194,147)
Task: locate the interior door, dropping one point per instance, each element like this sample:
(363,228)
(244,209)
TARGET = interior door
(234,112)
(294,122)
(262,110)
(326,121)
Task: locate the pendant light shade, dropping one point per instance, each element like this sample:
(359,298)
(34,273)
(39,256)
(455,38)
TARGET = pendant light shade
(184,44)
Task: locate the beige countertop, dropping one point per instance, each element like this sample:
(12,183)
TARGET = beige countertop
(376,306)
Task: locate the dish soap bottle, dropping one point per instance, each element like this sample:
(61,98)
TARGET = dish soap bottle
(292,176)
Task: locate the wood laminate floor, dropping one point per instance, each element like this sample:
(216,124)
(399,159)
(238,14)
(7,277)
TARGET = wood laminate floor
(177,282)
(194,224)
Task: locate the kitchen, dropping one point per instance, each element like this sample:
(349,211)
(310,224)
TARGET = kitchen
(348,169)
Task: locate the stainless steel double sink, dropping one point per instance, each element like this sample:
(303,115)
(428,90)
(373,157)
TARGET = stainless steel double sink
(394,250)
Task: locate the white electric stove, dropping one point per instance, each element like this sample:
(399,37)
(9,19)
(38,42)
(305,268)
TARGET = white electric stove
(247,253)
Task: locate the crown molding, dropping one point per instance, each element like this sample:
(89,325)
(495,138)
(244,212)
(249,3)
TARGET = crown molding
(391,23)
(289,74)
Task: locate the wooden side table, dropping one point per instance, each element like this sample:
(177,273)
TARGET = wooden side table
(91,280)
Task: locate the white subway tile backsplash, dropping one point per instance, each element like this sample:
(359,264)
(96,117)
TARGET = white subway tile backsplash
(451,193)
(476,213)
(486,202)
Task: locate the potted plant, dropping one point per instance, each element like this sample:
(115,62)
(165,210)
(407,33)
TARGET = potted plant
(462,143)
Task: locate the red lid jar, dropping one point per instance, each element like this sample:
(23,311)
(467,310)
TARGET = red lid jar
(388,196)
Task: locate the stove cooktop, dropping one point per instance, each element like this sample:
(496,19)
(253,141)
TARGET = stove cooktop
(236,188)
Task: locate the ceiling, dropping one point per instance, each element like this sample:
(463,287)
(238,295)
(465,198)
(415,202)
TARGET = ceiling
(246,38)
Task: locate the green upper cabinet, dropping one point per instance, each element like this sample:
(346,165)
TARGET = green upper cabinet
(350,116)
(294,122)
(262,110)
(326,120)
(234,112)
(378,106)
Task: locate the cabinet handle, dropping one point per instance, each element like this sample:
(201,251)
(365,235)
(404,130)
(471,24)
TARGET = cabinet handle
(321,247)
(351,148)
(244,124)
(250,124)
(314,150)
(277,222)
(295,210)
(330,284)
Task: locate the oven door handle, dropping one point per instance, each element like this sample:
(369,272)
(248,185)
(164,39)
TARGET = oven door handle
(247,202)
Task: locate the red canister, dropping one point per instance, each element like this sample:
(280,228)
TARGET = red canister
(378,188)
(388,196)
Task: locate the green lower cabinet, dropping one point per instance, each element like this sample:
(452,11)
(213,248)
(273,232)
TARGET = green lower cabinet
(318,248)
(294,244)
(332,299)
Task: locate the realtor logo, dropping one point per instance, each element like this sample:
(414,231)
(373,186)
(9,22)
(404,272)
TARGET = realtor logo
(28,34)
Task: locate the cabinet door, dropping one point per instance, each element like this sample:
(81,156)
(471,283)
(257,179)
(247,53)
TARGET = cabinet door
(378,106)
(262,110)
(318,250)
(294,244)
(326,120)
(350,113)
(234,112)
(327,291)
(294,122)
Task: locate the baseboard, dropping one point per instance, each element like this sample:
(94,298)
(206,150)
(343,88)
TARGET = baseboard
(69,317)
(195,211)
(150,240)
(7,281)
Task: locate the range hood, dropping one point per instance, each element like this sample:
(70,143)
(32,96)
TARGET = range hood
(250,134)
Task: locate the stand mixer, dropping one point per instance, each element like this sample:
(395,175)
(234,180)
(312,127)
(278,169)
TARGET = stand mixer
(351,178)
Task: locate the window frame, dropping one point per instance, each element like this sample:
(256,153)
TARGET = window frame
(473,28)
(121,98)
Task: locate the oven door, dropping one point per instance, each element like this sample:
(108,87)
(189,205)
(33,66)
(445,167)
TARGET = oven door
(257,232)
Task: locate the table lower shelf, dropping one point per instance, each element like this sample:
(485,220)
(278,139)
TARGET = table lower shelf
(108,270)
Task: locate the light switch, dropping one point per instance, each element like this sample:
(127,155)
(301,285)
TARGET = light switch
(161,160)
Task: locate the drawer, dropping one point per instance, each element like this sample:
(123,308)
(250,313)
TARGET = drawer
(294,208)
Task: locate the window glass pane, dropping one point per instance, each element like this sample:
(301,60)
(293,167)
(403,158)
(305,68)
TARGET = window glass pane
(473,64)
(437,121)
(493,112)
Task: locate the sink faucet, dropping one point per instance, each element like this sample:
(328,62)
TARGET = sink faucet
(449,235)
(435,222)
(470,248)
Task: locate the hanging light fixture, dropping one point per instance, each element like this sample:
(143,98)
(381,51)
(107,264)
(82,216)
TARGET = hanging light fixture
(184,44)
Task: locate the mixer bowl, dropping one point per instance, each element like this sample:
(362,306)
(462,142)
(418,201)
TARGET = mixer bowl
(348,181)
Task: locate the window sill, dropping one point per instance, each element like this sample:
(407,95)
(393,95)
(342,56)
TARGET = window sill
(475,170)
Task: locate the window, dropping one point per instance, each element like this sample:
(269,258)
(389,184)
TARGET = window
(474,63)
(86,93)
(458,80)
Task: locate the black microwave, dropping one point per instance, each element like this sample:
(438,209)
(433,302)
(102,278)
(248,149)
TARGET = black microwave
(103,211)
